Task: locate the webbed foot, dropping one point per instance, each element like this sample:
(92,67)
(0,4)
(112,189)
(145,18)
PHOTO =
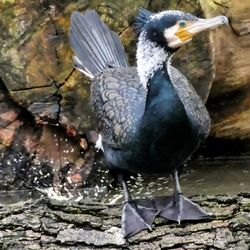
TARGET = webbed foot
(137,215)
(178,208)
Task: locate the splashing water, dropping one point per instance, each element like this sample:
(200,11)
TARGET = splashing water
(211,175)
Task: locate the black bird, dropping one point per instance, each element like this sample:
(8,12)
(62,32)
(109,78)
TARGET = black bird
(149,117)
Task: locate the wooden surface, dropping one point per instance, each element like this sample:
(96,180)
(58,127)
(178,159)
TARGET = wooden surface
(71,225)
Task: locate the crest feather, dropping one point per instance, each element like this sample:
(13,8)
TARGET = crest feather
(142,18)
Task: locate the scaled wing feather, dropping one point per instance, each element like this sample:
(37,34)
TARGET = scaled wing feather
(118,101)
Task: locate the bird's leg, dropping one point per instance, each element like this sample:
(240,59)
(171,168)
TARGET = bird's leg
(137,214)
(178,207)
(126,193)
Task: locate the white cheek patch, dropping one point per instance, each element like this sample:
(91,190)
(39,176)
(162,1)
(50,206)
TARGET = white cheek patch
(172,40)
(170,36)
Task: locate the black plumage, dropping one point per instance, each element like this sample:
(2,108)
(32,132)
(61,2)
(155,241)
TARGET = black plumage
(149,117)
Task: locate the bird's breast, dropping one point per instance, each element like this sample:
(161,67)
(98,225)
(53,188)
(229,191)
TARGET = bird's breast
(166,136)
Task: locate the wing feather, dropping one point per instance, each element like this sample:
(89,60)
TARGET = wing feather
(118,101)
(193,104)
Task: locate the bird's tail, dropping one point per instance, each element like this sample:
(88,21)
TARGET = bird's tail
(96,47)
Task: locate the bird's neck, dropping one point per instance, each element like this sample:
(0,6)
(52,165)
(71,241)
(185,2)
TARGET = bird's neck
(150,58)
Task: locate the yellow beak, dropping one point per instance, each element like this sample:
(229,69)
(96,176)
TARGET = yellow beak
(186,33)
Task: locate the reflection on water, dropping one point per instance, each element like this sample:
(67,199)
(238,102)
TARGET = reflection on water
(220,175)
(207,176)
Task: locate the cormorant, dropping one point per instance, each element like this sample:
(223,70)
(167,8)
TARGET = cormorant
(149,117)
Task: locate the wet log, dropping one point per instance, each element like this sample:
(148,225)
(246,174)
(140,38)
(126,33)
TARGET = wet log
(51,224)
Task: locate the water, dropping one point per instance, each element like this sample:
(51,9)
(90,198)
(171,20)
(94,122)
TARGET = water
(210,173)
(225,176)
(208,176)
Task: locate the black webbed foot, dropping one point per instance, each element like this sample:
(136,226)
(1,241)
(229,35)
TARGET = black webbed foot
(137,215)
(178,208)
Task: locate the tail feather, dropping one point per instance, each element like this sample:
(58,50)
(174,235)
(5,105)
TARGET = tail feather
(96,47)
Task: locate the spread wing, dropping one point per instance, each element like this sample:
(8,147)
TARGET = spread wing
(118,102)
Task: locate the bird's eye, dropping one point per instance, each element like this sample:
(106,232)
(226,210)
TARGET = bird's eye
(182,23)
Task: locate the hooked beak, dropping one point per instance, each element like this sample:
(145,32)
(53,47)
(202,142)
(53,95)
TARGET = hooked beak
(186,34)
(205,24)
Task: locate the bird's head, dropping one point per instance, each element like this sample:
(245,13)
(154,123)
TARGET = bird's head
(172,29)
